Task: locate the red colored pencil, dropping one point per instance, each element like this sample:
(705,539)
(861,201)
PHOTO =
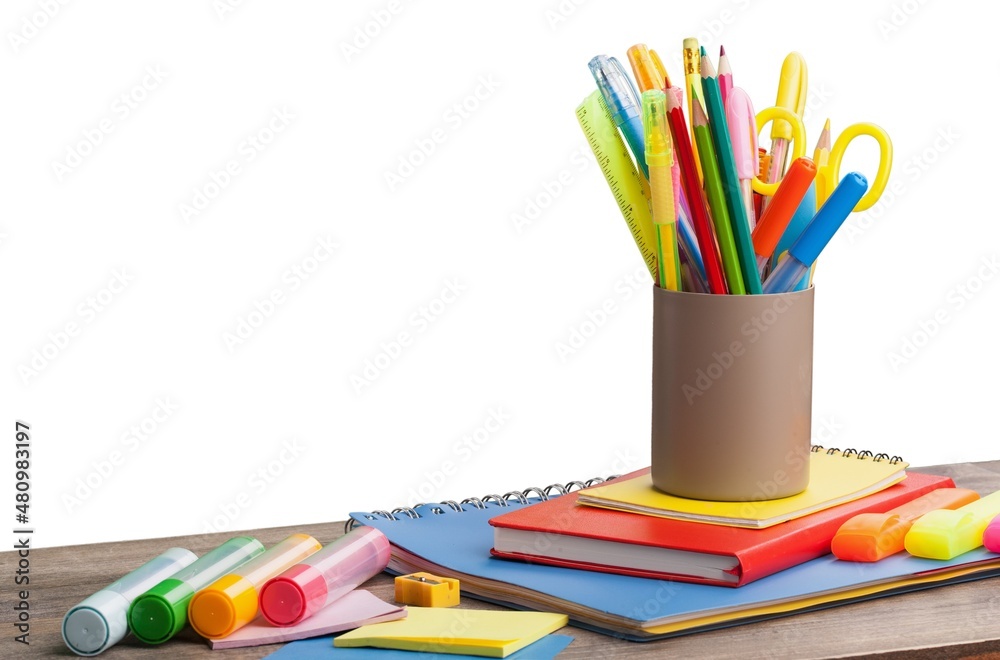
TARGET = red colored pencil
(692,188)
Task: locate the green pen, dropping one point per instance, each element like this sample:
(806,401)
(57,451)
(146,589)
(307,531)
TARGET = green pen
(716,199)
(730,180)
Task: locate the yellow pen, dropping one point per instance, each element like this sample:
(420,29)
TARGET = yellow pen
(649,74)
(659,158)
(792,86)
(647,77)
(692,78)
(660,69)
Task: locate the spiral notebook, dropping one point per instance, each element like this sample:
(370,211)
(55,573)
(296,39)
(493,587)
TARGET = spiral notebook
(835,477)
(453,539)
(560,533)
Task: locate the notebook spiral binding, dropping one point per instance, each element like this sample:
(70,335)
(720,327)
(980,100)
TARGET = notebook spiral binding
(543,493)
(860,455)
(480,502)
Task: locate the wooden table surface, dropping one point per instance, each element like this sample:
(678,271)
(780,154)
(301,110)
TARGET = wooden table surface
(959,621)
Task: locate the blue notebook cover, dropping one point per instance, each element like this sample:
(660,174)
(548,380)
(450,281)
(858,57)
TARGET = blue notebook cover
(457,544)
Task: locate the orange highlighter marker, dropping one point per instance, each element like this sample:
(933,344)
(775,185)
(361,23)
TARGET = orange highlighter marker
(779,211)
(875,536)
(231,602)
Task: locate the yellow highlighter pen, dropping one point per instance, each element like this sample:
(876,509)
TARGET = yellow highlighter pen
(946,534)
(659,158)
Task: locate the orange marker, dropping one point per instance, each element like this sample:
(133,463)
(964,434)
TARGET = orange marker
(780,210)
(875,536)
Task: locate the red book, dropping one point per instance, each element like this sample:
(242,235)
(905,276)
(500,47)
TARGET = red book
(561,533)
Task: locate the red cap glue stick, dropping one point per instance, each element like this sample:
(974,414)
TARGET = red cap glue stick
(334,571)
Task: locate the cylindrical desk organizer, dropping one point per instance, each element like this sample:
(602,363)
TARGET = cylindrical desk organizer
(732,394)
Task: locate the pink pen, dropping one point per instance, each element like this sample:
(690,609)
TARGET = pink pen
(743,133)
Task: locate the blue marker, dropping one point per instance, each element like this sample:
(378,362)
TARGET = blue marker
(801,217)
(817,234)
(623,102)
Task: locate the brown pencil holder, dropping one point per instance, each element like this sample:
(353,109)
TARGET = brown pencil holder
(732,394)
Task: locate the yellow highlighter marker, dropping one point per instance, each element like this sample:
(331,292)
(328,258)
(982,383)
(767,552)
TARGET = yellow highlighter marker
(659,158)
(945,534)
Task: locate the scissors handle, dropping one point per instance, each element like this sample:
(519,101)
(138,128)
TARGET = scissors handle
(878,184)
(798,141)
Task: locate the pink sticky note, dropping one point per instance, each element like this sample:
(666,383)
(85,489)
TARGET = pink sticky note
(354,610)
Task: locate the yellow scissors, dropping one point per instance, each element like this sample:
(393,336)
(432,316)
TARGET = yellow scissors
(828,158)
(796,131)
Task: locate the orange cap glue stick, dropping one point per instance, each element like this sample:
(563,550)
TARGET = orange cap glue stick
(230,602)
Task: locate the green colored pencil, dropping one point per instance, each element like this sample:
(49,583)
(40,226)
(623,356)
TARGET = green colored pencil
(727,172)
(716,198)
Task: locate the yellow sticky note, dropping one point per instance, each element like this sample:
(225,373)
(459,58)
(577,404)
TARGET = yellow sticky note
(473,632)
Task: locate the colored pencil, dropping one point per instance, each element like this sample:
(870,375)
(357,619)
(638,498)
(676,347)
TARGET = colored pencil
(725,76)
(717,200)
(692,189)
(727,172)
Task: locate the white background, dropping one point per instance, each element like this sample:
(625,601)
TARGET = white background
(360,105)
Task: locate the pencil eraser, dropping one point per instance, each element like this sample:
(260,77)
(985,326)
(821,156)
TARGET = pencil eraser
(426,590)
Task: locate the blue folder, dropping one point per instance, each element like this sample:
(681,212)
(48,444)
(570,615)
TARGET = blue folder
(322,648)
(457,544)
